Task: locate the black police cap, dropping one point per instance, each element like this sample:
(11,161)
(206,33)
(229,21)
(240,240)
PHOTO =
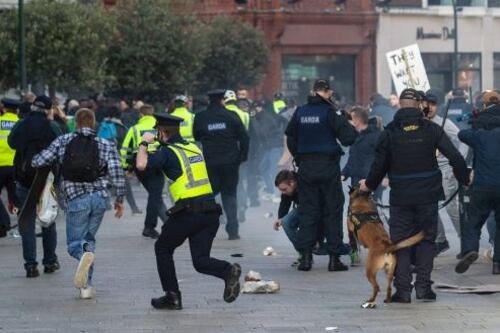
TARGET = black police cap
(10,103)
(165,119)
(410,93)
(216,93)
(321,84)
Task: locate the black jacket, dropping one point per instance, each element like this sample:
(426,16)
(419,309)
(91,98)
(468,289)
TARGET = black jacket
(29,137)
(362,154)
(222,135)
(344,132)
(270,129)
(406,151)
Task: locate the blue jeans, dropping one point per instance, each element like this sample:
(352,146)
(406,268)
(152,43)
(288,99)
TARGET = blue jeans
(290,224)
(84,215)
(28,236)
(269,167)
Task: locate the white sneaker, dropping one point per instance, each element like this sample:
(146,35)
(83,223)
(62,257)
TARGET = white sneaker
(87,293)
(488,253)
(82,271)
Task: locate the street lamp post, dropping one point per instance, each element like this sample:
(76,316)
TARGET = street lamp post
(22,46)
(455,44)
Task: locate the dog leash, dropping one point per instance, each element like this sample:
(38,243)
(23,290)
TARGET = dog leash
(443,205)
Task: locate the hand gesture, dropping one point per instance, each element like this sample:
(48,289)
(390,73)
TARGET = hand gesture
(119,209)
(277,224)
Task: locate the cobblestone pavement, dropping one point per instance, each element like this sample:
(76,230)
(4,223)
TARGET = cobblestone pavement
(315,301)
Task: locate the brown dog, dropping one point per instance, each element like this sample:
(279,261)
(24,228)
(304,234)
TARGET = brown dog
(364,221)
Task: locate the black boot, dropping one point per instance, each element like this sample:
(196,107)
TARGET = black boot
(335,265)
(232,284)
(400,298)
(467,260)
(305,263)
(426,295)
(51,268)
(171,301)
(496,267)
(151,233)
(32,272)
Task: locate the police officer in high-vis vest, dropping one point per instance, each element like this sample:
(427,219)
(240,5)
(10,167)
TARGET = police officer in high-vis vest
(194,216)
(279,104)
(407,152)
(230,104)
(312,136)
(180,110)
(152,180)
(7,121)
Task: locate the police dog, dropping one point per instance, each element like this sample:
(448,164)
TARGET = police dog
(364,221)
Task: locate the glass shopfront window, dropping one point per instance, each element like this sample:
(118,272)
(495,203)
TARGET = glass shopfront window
(496,71)
(439,67)
(299,73)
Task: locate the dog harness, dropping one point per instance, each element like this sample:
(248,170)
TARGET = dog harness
(360,219)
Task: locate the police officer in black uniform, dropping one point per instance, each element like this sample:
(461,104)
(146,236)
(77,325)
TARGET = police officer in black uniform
(406,152)
(195,215)
(225,146)
(312,136)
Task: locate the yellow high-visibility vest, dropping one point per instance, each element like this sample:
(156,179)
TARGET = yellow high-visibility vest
(194,180)
(244,116)
(133,138)
(186,127)
(7,122)
(279,105)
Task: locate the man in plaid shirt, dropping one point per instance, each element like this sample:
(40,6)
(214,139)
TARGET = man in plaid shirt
(86,201)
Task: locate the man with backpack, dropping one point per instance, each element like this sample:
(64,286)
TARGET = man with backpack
(28,137)
(87,162)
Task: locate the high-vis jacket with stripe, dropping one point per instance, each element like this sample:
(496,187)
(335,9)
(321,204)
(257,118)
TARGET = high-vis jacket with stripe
(194,180)
(130,145)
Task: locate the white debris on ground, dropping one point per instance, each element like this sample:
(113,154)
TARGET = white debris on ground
(255,285)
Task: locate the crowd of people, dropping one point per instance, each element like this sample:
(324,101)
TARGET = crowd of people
(229,152)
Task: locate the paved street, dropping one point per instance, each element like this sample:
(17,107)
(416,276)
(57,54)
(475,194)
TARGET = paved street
(126,279)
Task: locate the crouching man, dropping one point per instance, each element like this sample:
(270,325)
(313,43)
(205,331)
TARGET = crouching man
(87,162)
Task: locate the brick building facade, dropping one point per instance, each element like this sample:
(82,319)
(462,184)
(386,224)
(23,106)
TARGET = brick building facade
(310,39)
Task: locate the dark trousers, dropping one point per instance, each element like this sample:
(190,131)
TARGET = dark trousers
(224,180)
(129,195)
(321,202)
(482,204)
(406,221)
(28,237)
(200,229)
(7,182)
(153,181)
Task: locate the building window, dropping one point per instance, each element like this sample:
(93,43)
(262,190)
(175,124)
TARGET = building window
(460,3)
(439,71)
(299,73)
(496,70)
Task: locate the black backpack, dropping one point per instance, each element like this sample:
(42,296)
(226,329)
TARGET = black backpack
(81,160)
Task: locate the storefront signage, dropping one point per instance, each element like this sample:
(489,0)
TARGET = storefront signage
(445,34)
(407,69)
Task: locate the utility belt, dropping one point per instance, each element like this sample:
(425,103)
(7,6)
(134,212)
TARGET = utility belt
(316,157)
(195,205)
